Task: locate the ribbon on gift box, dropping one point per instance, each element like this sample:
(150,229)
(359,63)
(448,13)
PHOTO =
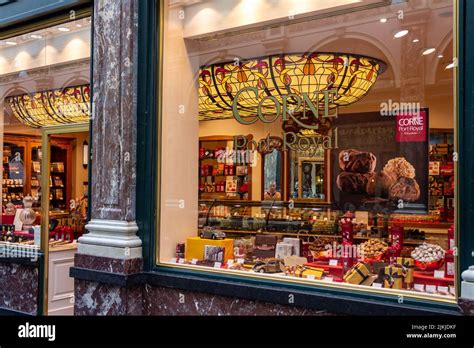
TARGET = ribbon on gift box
(364,277)
(407,265)
(358,271)
(392,276)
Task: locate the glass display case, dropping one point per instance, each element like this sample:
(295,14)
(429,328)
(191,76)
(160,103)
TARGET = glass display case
(277,217)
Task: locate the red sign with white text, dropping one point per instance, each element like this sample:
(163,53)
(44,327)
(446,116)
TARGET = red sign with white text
(411,127)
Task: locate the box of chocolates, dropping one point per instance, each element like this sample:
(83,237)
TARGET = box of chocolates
(357,274)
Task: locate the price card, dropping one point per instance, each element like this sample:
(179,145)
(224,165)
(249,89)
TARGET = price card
(443,290)
(419,287)
(431,289)
(194,261)
(230,262)
(328,279)
(217,265)
(439,274)
(240,260)
(310,276)
(377,285)
(332,262)
(181,261)
(173,260)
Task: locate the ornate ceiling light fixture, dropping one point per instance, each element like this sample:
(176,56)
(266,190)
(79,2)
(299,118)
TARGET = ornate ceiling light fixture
(310,74)
(47,108)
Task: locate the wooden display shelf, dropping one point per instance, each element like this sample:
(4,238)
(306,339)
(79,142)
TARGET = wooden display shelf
(210,143)
(277,232)
(428,278)
(266,204)
(61,152)
(406,241)
(437,225)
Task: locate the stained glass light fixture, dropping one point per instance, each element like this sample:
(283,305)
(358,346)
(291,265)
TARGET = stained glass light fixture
(350,75)
(53,107)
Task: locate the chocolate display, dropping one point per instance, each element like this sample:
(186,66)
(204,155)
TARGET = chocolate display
(396,180)
(357,176)
(406,189)
(355,182)
(428,253)
(400,167)
(356,161)
(382,183)
(373,248)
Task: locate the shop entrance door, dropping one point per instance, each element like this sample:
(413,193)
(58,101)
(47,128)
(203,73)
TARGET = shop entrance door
(64,185)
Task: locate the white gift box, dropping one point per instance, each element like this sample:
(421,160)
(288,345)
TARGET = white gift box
(295,242)
(283,250)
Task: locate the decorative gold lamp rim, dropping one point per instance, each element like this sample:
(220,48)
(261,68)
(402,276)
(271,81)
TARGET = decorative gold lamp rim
(61,89)
(46,112)
(383,66)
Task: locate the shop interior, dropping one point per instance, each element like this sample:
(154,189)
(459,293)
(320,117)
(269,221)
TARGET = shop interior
(267,208)
(45,86)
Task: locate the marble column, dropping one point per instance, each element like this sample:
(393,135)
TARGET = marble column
(112,228)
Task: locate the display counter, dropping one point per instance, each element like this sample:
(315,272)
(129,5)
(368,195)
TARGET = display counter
(314,242)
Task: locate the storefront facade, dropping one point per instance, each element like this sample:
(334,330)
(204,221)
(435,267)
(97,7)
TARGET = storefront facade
(302,158)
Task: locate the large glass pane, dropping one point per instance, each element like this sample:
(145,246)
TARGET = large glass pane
(311,141)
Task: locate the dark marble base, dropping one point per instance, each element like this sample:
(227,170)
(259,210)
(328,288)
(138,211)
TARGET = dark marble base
(19,287)
(94,298)
(467,306)
(166,301)
(104,299)
(108,264)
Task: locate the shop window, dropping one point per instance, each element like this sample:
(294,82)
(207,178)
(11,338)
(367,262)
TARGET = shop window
(311,143)
(45,101)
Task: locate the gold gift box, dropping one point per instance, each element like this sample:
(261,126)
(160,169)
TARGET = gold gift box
(304,272)
(409,264)
(393,277)
(357,274)
(195,247)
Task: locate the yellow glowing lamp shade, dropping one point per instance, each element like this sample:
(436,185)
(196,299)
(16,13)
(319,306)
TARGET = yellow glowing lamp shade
(62,106)
(350,75)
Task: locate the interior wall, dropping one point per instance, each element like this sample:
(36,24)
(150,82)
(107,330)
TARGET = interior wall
(50,50)
(180,143)
(229,14)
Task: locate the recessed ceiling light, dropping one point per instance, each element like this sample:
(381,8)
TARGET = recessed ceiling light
(450,66)
(415,40)
(400,34)
(10,43)
(36,36)
(383,20)
(64,29)
(440,56)
(428,51)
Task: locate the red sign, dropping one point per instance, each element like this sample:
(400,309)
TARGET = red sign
(411,127)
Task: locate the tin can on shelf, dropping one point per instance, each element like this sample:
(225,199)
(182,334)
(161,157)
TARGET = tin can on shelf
(180,250)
